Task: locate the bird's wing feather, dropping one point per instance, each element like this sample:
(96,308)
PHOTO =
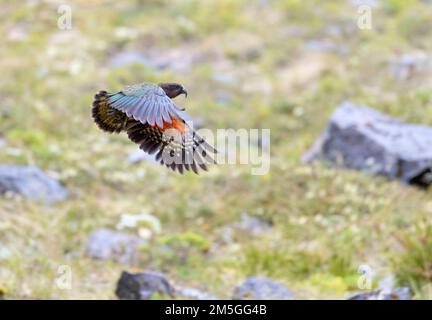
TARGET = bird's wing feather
(146,103)
(178,151)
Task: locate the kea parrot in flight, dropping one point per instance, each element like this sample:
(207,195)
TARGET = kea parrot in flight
(147,113)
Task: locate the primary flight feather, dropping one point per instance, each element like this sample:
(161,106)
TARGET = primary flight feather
(152,120)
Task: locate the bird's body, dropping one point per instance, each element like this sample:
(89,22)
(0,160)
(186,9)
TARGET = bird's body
(152,120)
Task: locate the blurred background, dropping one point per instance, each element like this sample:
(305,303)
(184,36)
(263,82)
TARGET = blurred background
(283,65)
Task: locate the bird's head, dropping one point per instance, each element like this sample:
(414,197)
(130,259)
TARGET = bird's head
(172,90)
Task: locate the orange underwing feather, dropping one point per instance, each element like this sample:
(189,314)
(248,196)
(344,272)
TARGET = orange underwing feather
(177,124)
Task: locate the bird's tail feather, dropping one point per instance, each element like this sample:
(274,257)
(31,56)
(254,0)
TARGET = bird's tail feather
(173,149)
(107,118)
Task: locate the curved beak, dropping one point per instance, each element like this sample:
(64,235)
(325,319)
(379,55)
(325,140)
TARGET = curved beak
(184,92)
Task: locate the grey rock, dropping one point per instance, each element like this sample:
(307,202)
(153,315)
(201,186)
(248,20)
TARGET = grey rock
(361,138)
(247,226)
(30,182)
(106,244)
(142,286)
(393,294)
(253,225)
(410,65)
(261,288)
(195,294)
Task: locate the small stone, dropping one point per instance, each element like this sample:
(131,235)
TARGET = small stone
(261,288)
(410,65)
(30,182)
(142,286)
(248,226)
(393,294)
(195,294)
(106,244)
(253,225)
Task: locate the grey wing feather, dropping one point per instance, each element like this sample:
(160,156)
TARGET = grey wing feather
(165,115)
(146,103)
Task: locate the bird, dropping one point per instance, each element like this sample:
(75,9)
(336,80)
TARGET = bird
(151,119)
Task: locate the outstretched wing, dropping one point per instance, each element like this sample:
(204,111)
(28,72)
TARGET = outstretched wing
(107,118)
(146,103)
(155,123)
(178,150)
